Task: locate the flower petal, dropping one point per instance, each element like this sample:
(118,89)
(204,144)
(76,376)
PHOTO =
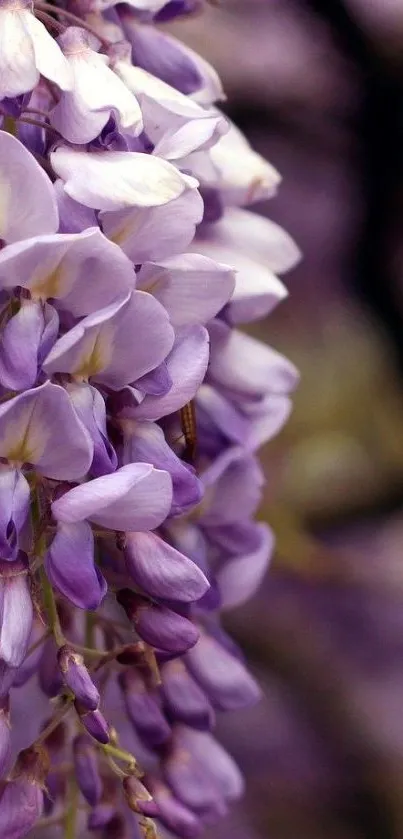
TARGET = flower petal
(20,174)
(187,365)
(70,566)
(31,427)
(247,366)
(101,346)
(149,233)
(145,441)
(239,578)
(224,678)
(97,92)
(135,497)
(49,59)
(162,571)
(115,180)
(191,287)
(74,268)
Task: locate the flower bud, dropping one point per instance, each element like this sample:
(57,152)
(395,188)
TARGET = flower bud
(173,814)
(184,700)
(87,770)
(94,722)
(77,678)
(143,710)
(157,625)
(138,798)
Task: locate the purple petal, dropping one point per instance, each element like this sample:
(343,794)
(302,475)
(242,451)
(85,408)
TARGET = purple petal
(20,345)
(90,407)
(234,484)
(143,710)
(173,8)
(190,782)
(224,678)
(256,237)
(245,365)
(70,566)
(31,427)
(145,441)
(117,180)
(162,571)
(239,578)
(22,175)
(184,699)
(31,662)
(135,496)
(87,770)
(95,723)
(73,268)
(149,233)
(249,425)
(172,813)
(156,383)
(74,217)
(21,805)
(161,54)
(16,611)
(257,290)
(50,679)
(77,678)
(192,288)
(216,762)
(14,509)
(101,346)
(157,625)
(187,365)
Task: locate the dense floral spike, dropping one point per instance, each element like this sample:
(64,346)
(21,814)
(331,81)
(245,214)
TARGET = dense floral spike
(131,412)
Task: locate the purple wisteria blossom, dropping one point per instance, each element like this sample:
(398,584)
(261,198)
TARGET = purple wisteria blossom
(131,410)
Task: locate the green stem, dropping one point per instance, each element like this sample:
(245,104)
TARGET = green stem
(121,754)
(71,812)
(51,608)
(90,652)
(40,550)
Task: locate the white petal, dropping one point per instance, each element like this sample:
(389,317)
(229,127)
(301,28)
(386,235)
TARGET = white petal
(18,72)
(81,115)
(20,175)
(115,180)
(49,58)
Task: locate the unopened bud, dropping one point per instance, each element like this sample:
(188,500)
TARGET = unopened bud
(138,798)
(157,625)
(94,722)
(77,678)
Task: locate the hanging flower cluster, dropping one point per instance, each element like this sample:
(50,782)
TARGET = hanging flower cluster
(131,408)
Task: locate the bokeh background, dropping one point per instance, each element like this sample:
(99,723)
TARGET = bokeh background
(317,86)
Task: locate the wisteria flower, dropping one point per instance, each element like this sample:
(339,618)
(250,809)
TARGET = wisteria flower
(132,406)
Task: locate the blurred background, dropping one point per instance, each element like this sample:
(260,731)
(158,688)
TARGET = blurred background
(317,86)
